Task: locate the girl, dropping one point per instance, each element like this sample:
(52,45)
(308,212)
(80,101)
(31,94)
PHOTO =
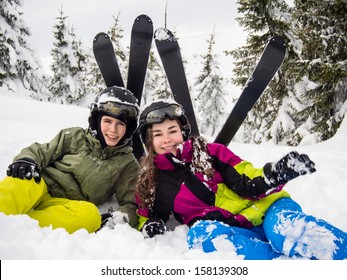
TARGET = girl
(62,182)
(222,197)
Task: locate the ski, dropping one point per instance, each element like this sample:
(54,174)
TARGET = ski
(106,59)
(140,46)
(170,54)
(270,61)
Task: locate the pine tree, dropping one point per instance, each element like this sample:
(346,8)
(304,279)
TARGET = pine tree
(94,81)
(18,66)
(78,70)
(60,55)
(270,118)
(322,28)
(69,64)
(307,99)
(209,91)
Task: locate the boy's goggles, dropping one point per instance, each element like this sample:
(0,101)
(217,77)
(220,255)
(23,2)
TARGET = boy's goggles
(117,109)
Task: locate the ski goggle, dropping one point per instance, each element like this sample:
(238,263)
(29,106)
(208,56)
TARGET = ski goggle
(118,109)
(171,111)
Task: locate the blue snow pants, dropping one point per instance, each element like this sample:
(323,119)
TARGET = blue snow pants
(286,231)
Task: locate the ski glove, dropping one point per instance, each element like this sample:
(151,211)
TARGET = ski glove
(24,168)
(152,227)
(289,167)
(114,218)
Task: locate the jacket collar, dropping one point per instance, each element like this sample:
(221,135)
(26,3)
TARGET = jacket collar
(182,158)
(109,151)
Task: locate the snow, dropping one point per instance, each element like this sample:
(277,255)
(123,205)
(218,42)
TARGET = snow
(162,34)
(24,121)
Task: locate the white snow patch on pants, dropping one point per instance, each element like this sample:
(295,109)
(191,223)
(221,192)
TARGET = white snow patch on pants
(307,238)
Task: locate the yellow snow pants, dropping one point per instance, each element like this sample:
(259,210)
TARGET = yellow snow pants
(27,197)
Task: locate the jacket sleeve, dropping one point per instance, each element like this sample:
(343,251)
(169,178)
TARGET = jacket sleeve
(44,154)
(239,175)
(125,192)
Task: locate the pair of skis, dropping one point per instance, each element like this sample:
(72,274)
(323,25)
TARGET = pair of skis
(169,51)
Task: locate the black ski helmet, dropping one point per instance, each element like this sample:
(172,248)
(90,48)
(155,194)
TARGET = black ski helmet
(116,102)
(160,110)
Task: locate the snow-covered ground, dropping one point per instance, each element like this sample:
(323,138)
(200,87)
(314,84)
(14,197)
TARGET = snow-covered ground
(24,121)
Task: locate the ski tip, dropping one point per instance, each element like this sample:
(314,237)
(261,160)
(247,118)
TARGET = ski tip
(278,40)
(143,16)
(163,34)
(103,34)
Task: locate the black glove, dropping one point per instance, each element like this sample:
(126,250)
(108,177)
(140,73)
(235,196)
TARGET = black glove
(152,227)
(104,218)
(24,168)
(289,167)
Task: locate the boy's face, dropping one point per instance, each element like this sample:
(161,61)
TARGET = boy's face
(112,130)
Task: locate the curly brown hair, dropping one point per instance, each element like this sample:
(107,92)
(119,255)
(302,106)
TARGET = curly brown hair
(147,175)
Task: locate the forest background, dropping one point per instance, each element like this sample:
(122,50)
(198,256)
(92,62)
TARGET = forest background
(304,104)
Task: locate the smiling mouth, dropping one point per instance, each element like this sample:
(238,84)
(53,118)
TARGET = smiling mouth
(169,148)
(112,137)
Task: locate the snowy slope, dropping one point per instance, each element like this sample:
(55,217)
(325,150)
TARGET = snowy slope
(23,121)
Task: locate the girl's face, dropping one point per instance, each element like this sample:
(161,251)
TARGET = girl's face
(167,136)
(112,129)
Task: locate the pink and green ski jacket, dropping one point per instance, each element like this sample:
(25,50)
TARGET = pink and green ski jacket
(237,194)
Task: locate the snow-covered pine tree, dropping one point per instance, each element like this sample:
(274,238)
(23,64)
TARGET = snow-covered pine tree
(322,25)
(18,66)
(87,75)
(78,70)
(94,83)
(306,102)
(272,116)
(60,60)
(209,92)
(68,64)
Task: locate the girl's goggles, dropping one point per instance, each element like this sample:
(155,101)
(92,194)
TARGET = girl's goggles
(172,111)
